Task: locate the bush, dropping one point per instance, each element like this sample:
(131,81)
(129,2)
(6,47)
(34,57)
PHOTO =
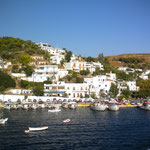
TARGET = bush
(6,81)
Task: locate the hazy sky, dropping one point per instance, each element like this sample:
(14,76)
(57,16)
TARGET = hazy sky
(86,27)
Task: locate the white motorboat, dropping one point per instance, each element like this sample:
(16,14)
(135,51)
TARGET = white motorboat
(146,105)
(54,109)
(66,120)
(98,106)
(65,105)
(113,107)
(72,106)
(3,121)
(36,129)
(34,106)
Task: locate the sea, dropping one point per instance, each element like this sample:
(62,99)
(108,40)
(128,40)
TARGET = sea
(126,129)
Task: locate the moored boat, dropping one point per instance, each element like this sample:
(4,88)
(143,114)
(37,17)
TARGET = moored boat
(113,107)
(3,121)
(66,120)
(65,105)
(72,106)
(36,129)
(146,105)
(54,109)
(98,106)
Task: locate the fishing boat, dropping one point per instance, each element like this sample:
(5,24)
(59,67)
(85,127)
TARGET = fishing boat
(66,120)
(34,106)
(3,121)
(113,107)
(146,105)
(101,106)
(72,106)
(54,109)
(65,105)
(36,129)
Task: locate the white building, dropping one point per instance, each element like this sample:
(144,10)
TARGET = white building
(73,90)
(99,83)
(20,91)
(81,65)
(43,73)
(57,59)
(50,49)
(62,73)
(132,86)
(127,84)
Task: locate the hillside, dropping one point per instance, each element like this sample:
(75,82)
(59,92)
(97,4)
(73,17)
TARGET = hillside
(12,48)
(131,60)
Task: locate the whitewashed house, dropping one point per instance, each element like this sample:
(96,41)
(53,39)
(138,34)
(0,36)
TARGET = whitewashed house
(57,59)
(127,84)
(73,90)
(98,84)
(62,73)
(20,91)
(50,49)
(43,73)
(75,66)
(132,86)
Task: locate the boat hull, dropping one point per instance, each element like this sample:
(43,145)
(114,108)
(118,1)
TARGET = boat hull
(58,110)
(98,107)
(113,108)
(38,128)
(145,108)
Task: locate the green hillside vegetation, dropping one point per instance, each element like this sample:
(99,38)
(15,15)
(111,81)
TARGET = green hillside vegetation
(12,48)
(136,61)
(6,81)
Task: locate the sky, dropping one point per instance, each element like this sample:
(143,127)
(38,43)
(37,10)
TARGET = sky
(85,27)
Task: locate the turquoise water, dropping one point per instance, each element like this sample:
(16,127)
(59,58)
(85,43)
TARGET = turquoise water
(127,129)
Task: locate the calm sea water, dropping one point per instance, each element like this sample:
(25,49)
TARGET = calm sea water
(127,129)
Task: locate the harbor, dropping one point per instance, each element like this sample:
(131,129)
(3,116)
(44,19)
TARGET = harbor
(87,129)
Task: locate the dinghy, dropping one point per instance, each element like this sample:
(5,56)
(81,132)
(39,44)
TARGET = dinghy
(66,120)
(2,121)
(36,129)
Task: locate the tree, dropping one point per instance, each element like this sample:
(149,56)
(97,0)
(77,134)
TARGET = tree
(93,95)
(24,59)
(28,70)
(144,90)
(90,59)
(68,56)
(100,57)
(15,69)
(84,72)
(113,90)
(6,81)
(126,93)
(38,91)
(2,89)
(79,80)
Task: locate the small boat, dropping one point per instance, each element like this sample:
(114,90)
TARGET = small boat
(2,121)
(72,106)
(54,109)
(66,120)
(146,105)
(65,105)
(36,129)
(34,106)
(113,107)
(98,106)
